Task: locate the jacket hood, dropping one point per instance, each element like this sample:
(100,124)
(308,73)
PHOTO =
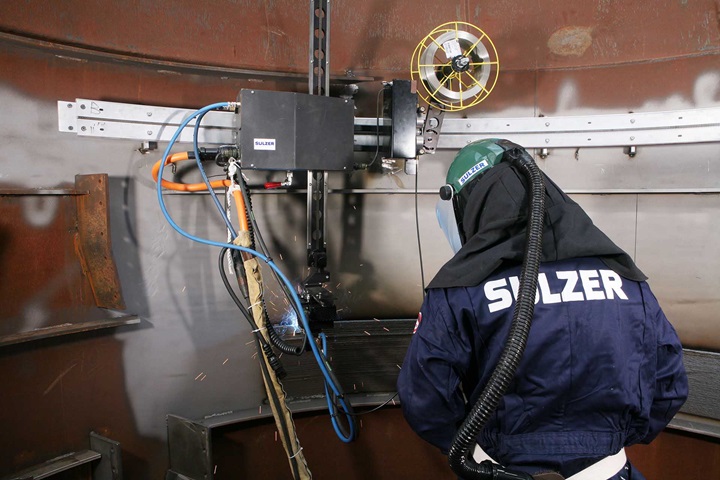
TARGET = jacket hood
(494,224)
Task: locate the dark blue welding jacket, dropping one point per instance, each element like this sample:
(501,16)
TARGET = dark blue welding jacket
(602,368)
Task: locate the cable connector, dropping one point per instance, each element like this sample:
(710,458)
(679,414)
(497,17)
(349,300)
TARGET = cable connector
(225,154)
(232,106)
(274,361)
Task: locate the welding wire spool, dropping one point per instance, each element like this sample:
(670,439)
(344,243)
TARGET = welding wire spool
(456,66)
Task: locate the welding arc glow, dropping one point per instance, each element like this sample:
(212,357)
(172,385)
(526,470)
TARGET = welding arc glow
(321,361)
(289,323)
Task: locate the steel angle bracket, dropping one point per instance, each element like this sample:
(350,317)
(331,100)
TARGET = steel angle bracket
(95,118)
(189,448)
(110,465)
(104,455)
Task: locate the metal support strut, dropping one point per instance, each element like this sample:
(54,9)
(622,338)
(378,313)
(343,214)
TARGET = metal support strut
(317,301)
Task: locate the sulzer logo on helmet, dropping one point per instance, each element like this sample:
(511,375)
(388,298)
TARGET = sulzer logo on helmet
(475,169)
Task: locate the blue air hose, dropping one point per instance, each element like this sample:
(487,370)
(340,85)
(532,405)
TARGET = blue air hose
(345,437)
(205,178)
(324,368)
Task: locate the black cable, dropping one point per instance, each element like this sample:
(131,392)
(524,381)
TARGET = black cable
(377,132)
(375,409)
(231,291)
(377,125)
(274,337)
(273,397)
(417,227)
(262,347)
(255,234)
(272,359)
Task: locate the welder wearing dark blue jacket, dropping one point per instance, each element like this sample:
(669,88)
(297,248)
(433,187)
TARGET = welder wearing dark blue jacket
(602,368)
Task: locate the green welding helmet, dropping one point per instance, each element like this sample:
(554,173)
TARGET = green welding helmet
(468,165)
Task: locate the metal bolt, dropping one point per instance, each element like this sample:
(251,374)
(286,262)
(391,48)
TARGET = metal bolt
(632,120)
(632,138)
(70,105)
(547,140)
(467,125)
(547,124)
(149,132)
(71,127)
(82,107)
(83,128)
(149,114)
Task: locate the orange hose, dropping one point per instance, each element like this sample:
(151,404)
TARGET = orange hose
(240,207)
(184,187)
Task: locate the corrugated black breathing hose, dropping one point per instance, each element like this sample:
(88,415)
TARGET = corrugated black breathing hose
(460,454)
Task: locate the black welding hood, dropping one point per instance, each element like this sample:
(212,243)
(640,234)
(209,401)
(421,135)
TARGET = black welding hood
(494,228)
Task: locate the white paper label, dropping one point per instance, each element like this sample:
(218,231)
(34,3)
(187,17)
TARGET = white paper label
(264,144)
(452,49)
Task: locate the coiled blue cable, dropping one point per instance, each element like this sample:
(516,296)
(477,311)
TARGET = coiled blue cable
(324,367)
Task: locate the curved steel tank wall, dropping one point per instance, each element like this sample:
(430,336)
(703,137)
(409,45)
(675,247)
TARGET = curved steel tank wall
(558,58)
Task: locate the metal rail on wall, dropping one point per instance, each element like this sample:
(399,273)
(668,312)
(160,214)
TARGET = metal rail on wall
(147,123)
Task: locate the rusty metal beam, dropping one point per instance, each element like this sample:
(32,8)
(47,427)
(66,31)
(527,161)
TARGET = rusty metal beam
(93,241)
(66,329)
(159,64)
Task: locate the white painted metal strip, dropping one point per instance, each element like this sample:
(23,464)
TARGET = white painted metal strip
(142,122)
(153,132)
(586,123)
(592,139)
(127,112)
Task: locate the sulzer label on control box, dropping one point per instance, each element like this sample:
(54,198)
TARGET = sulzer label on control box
(297,131)
(264,144)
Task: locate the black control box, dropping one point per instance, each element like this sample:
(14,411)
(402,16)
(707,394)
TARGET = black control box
(295,131)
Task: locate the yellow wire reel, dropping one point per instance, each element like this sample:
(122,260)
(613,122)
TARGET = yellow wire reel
(456,66)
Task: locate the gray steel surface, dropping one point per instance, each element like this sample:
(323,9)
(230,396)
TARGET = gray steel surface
(189,355)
